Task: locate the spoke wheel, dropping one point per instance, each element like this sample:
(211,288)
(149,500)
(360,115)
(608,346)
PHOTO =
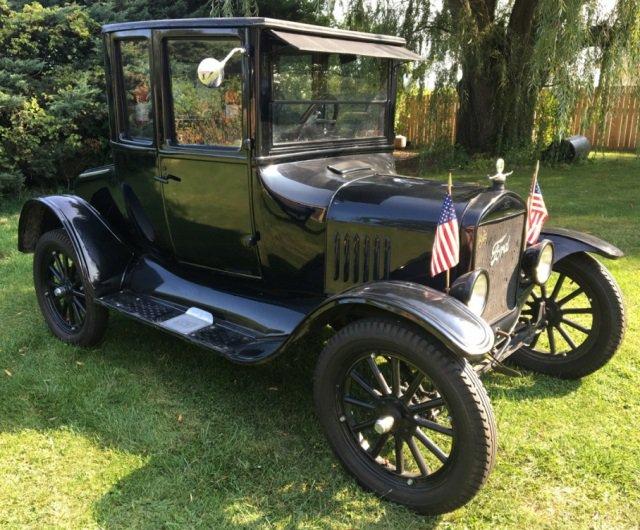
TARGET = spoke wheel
(64,296)
(64,293)
(409,420)
(397,416)
(571,316)
(584,319)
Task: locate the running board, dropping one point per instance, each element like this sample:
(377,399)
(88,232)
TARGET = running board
(195,325)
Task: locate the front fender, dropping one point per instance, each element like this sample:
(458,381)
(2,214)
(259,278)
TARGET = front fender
(440,315)
(102,255)
(567,242)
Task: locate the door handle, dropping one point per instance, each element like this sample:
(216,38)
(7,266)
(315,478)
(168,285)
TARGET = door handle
(164,179)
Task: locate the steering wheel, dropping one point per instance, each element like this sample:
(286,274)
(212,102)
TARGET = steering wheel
(310,112)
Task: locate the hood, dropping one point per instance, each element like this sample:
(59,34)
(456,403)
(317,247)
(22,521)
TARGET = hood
(414,203)
(313,183)
(383,226)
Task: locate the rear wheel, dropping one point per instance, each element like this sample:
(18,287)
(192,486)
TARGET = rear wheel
(585,320)
(410,421)
(65,297)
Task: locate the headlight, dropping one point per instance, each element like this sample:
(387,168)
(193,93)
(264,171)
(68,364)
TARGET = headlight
(472,289)
(537,262)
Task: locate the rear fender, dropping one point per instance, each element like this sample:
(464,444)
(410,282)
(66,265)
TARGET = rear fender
(566,242)
(102,255)
(438,314)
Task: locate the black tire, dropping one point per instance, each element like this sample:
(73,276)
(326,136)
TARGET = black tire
(73,316)
(593,346)
(448,380)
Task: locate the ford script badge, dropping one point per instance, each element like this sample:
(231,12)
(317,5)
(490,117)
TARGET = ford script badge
(500,248)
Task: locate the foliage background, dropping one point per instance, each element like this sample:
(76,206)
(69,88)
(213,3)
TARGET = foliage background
(53,113)
(514,97)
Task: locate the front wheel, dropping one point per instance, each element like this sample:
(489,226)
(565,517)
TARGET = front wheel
(584,316)
(410,421)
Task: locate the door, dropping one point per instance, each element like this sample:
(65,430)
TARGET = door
(135,140)
(203,159)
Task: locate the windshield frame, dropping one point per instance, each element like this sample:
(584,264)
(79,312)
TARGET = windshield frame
(271,48)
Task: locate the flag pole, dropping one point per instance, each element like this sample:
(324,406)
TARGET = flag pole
(534,179)
(448,278)
(533,186)
(535,176)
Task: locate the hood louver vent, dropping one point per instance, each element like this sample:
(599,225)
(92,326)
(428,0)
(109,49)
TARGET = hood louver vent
(360,258)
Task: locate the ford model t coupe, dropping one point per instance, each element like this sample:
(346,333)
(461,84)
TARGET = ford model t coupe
(253,201)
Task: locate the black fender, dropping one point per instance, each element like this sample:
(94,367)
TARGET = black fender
(566,242)
(102,255)
(446,318)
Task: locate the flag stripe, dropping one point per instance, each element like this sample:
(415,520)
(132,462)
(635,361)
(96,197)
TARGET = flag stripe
(446,244)
(536,215)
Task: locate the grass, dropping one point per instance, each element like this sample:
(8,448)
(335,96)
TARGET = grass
(149,432)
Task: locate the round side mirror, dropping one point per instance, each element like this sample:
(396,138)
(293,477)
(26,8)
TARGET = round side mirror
(211,72)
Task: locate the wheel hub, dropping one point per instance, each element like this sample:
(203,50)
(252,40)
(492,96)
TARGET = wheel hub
(553,313)
(384,424)
(62,290)
(393,416)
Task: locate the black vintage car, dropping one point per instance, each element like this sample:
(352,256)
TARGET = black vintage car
(253,203)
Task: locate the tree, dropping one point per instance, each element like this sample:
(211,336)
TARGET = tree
(500,56)
(300,11)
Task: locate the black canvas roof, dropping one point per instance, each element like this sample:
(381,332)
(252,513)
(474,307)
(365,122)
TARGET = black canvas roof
(316,43)
(269,23)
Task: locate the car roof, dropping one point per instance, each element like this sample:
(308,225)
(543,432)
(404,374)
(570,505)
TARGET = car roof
(259,22)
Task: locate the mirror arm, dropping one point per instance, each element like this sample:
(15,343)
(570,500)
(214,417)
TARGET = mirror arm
(231,54)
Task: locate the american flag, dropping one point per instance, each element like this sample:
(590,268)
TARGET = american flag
(445,253)
(537,214)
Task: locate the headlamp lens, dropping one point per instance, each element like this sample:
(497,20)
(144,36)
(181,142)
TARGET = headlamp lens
(545,265)
(472,289)
(479,292)
(537,262)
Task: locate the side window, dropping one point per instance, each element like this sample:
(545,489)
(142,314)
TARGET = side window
(136,82)
(202,115)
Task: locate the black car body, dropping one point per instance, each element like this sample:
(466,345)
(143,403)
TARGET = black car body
(269,207)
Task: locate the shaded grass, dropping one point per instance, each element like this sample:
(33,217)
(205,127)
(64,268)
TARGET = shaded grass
(147,431)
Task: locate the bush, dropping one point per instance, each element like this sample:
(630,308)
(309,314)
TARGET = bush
(53,111)
(52,108)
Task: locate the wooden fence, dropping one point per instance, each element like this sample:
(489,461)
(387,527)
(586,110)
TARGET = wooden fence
(621,131)
(425,126)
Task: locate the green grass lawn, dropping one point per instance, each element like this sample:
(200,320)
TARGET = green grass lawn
(148,431)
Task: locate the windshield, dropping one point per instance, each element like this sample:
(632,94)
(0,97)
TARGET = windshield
(320,97)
